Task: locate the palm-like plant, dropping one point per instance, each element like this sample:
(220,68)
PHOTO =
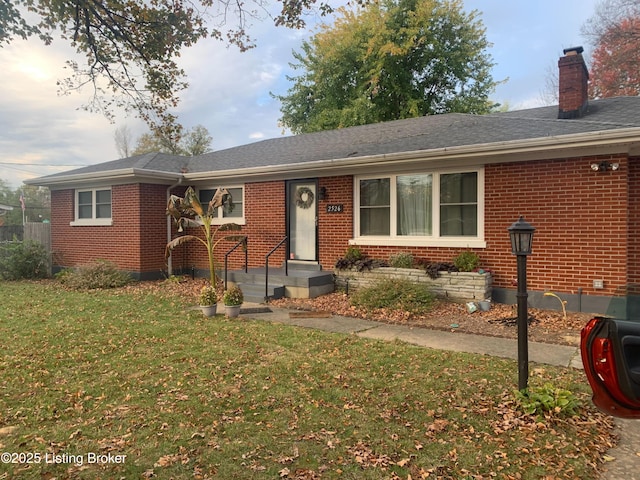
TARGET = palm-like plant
(187,211)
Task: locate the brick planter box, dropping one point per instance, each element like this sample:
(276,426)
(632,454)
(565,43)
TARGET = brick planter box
(456,286)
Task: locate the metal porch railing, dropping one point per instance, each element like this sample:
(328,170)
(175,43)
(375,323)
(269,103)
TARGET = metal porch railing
(284,241)
(242,241)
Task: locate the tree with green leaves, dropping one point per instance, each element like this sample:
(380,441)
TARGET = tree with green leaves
(37,201)
(194,142)
(149,143)
(197,141)
(389,60)
(131,46)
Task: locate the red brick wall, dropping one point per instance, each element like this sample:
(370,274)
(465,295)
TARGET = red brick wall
(61,234)
(266,222)
(573,80)
(265,227)
(134,242)
(120,243)
(335,229)
(583,219)
(580,218)
(265,214)
(153,227)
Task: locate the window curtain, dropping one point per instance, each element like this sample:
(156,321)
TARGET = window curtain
(414,204)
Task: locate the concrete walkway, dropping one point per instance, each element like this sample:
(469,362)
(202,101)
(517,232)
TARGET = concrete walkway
(625,457)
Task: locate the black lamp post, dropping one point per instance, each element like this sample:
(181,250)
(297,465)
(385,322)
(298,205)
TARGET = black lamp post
(521,233)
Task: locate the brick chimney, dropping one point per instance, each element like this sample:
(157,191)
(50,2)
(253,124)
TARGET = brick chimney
(573,79)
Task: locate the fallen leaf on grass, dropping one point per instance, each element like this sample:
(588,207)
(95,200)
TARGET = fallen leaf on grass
(7,430)
(438,425)
(168,460)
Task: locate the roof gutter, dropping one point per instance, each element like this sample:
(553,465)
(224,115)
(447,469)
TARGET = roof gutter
(103,176)
(590,143)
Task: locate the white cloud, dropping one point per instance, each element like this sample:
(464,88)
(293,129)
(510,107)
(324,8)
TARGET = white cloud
(38,126)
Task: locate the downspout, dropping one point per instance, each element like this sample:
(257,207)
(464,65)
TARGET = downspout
(170,259)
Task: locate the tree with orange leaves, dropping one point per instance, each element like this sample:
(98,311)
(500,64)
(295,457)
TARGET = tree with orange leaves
(615,63)
(614,32)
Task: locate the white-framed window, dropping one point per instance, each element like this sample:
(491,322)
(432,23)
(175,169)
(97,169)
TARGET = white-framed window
(93,207)
(438,208)
(225,214)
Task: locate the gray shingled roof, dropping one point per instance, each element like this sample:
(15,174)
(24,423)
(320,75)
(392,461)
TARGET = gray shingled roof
(422,133)
(414,134)
(159,162)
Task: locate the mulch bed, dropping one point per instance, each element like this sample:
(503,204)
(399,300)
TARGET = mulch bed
(547,326)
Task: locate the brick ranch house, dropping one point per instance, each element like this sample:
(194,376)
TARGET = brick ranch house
(432,186)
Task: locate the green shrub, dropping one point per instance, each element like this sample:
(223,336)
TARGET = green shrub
(467,261)
(23,260)
(353,254)
(394,293)
(401,260)
(101,274)
(547,399)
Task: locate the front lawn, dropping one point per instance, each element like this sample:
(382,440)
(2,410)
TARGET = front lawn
(130,383)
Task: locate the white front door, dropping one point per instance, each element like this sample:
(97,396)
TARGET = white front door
(303,211)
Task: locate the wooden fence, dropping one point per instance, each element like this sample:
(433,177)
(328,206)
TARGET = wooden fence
(10,232)
(38,232)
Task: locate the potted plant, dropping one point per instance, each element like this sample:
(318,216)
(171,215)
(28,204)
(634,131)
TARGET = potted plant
(208,300)
(232,299)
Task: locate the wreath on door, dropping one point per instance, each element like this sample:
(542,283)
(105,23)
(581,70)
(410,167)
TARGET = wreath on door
(304,197)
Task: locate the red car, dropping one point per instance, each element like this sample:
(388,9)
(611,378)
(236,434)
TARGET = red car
(610,349)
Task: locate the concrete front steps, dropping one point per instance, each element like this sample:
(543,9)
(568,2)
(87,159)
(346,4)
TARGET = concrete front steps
(302,281)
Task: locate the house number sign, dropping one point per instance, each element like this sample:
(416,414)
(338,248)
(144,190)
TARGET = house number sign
(336,208)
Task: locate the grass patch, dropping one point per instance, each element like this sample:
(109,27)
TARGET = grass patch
(134,372)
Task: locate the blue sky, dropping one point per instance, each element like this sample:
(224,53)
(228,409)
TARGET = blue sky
(43,133)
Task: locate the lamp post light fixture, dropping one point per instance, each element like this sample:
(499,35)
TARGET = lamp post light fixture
(521,233)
